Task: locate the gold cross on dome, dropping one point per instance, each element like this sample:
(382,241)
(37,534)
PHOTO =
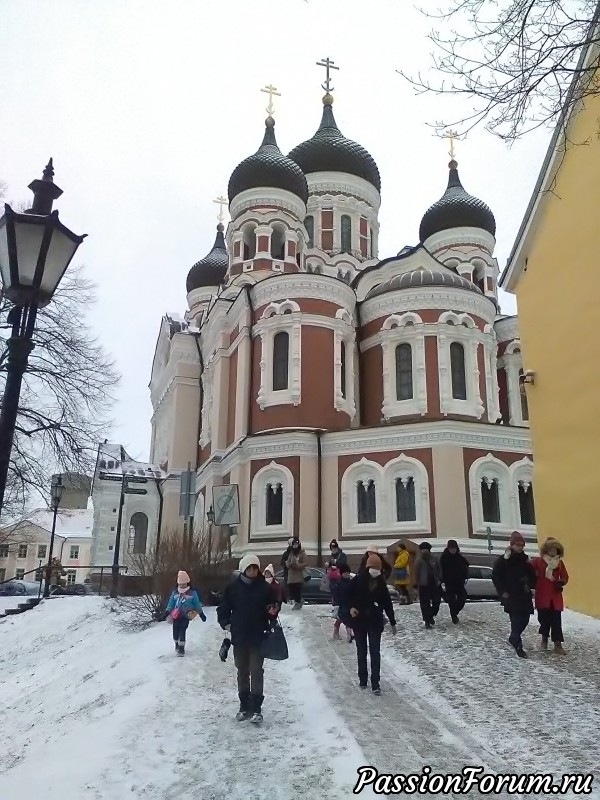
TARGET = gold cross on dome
(272,92)
(221,201)
(329,65)
(452,136)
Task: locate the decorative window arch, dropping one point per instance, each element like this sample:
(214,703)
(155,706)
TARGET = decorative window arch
(249,240)
(278,239)
(272,502)
(522,485)
(280,365)
(518,408)
(138,533)
(281,361)
(403,369)
(492,496)
(458,375)
(406,484)
(458,396)
(345,316)
(344,366)
(361,490)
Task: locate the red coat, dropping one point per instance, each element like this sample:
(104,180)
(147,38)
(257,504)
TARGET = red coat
(546,593)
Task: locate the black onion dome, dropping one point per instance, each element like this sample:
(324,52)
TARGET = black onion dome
(423,277)
(330,151)
(456,209)
(268,167)
(211,270)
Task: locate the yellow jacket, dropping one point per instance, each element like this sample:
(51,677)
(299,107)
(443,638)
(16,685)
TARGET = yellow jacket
(402,563)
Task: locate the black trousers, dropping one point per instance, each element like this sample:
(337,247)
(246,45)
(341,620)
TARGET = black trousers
(519,620)
(180,626)
(295,591)
(551,624)
(430,598)
(369,640)
(456,597)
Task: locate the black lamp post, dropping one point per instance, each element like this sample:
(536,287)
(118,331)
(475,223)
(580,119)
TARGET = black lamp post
(35,251)
(210,516)
(57,490)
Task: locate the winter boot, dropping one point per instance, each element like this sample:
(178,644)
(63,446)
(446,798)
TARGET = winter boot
(376,691)
(521,653)
(455,619)
(257,701)
(544,644)
(429,625)
(181,651)
(559,649)
(244,712)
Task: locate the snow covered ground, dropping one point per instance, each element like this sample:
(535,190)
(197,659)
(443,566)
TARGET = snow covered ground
(91,710)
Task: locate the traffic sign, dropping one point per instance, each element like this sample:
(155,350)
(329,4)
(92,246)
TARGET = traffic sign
(127,490)
(104,477)
(135,479)
(226,504)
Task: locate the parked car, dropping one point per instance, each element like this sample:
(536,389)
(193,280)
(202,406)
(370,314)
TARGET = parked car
(16,588)
(71,589)
(312,592)
(479,584)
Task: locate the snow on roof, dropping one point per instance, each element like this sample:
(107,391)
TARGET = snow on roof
(69,522)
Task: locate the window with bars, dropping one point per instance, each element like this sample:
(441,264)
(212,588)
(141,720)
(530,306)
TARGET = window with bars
(366,501)
(274,504)
(404,372)
(309,224)
(346,233)
(343,369)
(281,351)
(42,551)
(22,551)
(490,499)
(457,369)
(526,503)
(406,508)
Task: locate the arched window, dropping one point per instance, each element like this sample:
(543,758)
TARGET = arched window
(346,229)
(372,240)
(309,224)
(343,369)
(526,504)
(490,500)
(406,510)
(523,394)
(281,349)
(278,243)
(366,501)
(457,367)
(138,533)
(274,504)
(404,372)
(249,242)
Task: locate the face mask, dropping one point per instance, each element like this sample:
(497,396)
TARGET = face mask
(269,579)
(374,573)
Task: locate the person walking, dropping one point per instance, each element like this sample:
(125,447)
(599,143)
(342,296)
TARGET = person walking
(270,578)
(283,565)
(402,573)
(515,579)
(428,581)
(183,606)
(455,573)
(343,610)
(248,606)
(296,564)
(336,560)
(551,578)
(369,597)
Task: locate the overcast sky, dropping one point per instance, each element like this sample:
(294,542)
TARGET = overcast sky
(147,107)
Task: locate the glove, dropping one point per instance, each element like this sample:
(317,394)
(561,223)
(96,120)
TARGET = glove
(202,616)
(394,630)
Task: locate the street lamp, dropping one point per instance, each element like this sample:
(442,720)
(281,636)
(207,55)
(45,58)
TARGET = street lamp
(57,490)
(210,516)
(35,251)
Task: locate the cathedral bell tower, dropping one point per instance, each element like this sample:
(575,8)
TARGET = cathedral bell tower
(267,203)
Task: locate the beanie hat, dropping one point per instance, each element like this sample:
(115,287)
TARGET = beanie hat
(424,546)
(249,561)
(516,537)
(182,578)
(374,562)
(269,568)
(452,543)
(372,548)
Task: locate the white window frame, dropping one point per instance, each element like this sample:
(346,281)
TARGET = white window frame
(404,329)
(43,555)
(363,470)
(71,548)
(405,467)
(344,333)
(522,472)
(19,551)
(465,332)
(492,468)
(513,363)
(490,349)
(207,404)
(275,320)
(272,473)
(71,577)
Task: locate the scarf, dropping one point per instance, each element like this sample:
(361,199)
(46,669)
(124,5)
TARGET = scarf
(551,565)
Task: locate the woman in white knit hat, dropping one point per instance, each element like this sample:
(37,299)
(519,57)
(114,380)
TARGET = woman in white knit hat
(248,605)
(184,604)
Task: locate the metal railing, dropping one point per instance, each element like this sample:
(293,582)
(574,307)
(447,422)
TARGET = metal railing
(42,570)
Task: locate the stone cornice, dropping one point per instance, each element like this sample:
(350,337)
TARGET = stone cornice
(343,183)
(266,196)
(299,285)
(507,329)
(442,298)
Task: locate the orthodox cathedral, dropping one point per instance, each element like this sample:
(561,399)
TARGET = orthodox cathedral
(344,394)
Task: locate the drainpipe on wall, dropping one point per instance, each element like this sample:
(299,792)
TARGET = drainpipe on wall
(318,434)
(200,404)
(250,385)
(160,514)
(360,372)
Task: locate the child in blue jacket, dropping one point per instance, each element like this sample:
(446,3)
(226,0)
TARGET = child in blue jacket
(184,604)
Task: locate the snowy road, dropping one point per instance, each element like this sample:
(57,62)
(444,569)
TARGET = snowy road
(95,712)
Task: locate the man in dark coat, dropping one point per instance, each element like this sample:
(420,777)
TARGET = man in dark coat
(514,579)
(428,580)
(247,607)
(368,597)
(455,572)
